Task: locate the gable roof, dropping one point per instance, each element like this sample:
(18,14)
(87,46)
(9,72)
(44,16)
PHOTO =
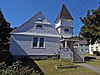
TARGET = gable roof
(64,14)
(34,19)
(29,27)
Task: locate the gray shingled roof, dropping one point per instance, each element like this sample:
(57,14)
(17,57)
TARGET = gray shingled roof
(28,28)
(64,14)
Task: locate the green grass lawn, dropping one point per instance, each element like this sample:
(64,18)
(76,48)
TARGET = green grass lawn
(48,67)
(94,62)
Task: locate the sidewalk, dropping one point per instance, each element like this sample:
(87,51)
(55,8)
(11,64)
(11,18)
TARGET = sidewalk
(93,68)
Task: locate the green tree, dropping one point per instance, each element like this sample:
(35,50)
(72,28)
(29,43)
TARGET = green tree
(4,30)
(91,28)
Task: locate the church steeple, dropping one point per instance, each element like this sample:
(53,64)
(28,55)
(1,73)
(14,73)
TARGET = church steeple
(64,14)
(64,22)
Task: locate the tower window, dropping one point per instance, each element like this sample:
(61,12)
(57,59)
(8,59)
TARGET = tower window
(66,30)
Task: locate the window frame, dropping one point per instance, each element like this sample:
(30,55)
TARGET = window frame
(33,41)
(38,42)
(41,42)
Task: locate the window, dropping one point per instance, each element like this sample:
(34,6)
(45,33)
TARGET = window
(96,48)
(91,48)
(66,30)
(38,42)
(35,42)
(41,43)
(39,26)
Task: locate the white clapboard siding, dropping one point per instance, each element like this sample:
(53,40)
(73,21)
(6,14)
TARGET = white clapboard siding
(22,37)
(51,45)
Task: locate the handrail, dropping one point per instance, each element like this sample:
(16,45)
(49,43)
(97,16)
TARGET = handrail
(70,53)
(79,53)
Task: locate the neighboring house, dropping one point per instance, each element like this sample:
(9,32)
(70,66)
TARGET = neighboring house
(82,46)
(94,47)
(36,37)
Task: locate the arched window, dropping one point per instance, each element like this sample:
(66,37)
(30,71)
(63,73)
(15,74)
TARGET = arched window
(39,26)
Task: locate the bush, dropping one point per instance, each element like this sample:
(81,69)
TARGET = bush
(6,57)
(16,69)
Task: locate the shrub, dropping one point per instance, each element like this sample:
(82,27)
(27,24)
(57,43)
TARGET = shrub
(16,69)
(5,56)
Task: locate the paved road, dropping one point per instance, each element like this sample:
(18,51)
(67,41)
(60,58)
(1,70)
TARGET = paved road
(93,68)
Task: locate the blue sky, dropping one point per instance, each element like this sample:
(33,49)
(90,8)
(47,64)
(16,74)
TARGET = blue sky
(17,12)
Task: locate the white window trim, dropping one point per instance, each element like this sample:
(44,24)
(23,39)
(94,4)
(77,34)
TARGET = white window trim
(38,42)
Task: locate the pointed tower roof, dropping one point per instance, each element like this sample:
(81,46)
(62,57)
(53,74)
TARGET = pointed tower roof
(64,14)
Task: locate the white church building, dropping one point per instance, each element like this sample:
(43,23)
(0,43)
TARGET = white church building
(37,37)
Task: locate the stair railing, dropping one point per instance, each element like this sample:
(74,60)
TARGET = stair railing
(79,53)
(67,53)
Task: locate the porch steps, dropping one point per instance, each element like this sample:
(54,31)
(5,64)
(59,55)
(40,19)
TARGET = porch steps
(77,57)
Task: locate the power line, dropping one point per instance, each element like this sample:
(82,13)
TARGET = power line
(77,5)
(78,24)
(81,7)
(85,9)
(81,13)
(68,1)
